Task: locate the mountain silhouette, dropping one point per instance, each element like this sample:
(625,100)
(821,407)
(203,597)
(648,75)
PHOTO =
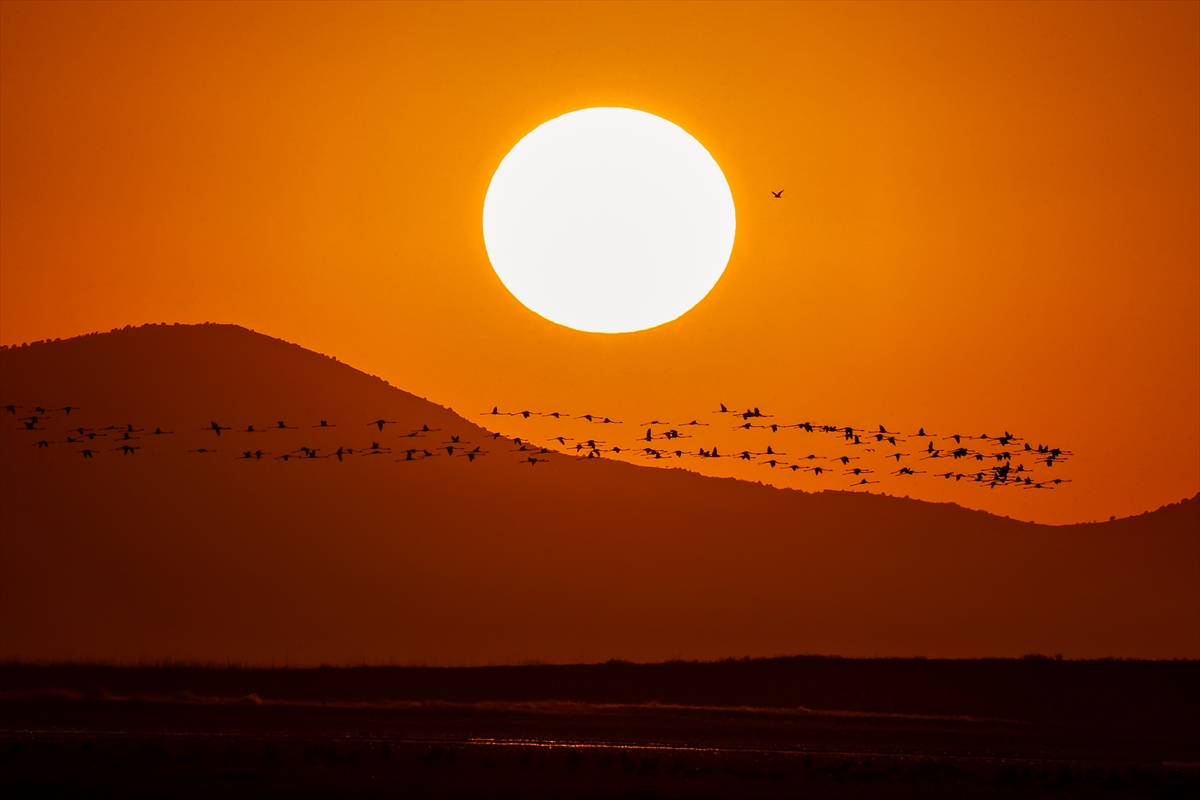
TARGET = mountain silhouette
(173,554)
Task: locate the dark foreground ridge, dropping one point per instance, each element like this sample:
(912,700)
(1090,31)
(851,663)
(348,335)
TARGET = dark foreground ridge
(1035,688)
(780,727)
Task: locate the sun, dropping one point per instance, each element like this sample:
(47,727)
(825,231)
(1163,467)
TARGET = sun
(609,220)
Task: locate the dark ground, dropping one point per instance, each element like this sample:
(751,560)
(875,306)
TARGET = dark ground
(788,727)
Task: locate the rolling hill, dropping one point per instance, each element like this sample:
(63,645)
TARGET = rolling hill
(166,554)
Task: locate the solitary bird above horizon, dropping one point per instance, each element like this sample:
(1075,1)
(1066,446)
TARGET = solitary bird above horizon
(777,195)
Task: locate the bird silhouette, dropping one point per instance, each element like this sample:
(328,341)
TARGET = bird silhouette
(778,195)
(282,426)
(217,428)
(68,409)
(126,450)
(324,424)
(12,409)
(160,432)
(596,418)
(86,453)
(203,449)
(908,471)
(380,423)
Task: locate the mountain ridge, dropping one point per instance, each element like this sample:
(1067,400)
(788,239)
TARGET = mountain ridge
(507,562)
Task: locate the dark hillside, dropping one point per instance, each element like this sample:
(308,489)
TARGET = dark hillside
(170,554)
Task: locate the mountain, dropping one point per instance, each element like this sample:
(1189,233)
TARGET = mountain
(166,554)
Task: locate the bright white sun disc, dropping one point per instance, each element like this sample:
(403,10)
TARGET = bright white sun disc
(609,220)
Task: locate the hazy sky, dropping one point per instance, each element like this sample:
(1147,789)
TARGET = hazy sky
(991,218)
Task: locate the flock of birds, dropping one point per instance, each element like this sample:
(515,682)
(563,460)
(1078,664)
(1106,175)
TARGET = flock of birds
(85,439)
(1004,460)
(990,461)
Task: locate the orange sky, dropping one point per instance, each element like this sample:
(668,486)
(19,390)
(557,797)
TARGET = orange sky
(992,216)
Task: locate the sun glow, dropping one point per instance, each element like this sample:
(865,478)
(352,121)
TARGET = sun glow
(609,220)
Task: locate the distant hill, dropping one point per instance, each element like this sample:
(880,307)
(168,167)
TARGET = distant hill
(167,554)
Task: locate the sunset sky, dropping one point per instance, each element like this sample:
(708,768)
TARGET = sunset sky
(991,216)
